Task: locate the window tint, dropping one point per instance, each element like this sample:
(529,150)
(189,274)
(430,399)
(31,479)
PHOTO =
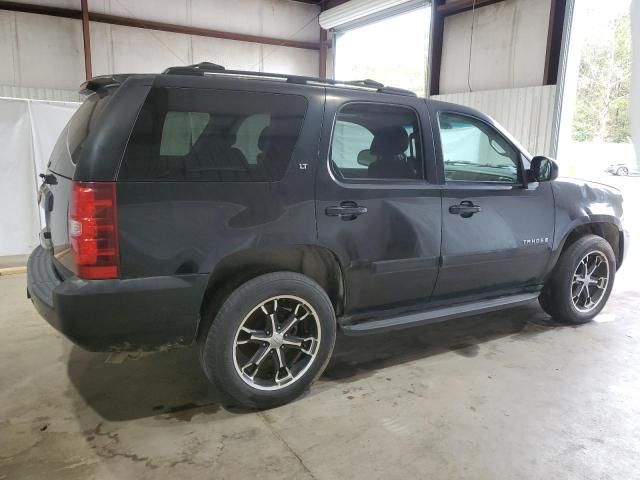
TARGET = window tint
(376,142)
(180,132)
(210,135)
(248,135)
(474,152)
(74,136)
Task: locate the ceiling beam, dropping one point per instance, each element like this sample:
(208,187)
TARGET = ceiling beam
(459,6)
(152,25)
(202,32)
(41,10)
(333,3)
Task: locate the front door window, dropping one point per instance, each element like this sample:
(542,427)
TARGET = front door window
(472,151)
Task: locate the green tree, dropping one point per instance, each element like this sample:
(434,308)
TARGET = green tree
(604,81)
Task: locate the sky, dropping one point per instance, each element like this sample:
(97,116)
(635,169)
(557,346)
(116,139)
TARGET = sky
(593,17)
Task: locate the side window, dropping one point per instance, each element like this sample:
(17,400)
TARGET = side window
(213,135)
(376,142)
(473,151)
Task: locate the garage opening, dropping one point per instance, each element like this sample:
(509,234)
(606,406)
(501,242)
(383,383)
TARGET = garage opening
(595,136)
(392,50)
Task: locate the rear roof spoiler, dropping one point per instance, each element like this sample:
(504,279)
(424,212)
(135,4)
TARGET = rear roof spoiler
(96,83)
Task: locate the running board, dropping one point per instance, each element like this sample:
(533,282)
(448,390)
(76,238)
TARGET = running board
(440,314)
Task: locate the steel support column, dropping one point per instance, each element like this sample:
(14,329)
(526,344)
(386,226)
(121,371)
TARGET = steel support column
(86,39)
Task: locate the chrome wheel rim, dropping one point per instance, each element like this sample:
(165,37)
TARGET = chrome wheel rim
(590,281)
(276,343)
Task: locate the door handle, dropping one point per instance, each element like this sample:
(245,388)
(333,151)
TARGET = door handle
(346,210)
(465,209)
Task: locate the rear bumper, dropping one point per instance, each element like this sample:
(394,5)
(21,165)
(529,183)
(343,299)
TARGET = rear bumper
(116,315)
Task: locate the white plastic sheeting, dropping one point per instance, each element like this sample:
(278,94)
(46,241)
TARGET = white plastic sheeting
(28,132)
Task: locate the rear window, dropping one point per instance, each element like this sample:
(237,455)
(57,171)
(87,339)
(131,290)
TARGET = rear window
(212,135)
(69,146)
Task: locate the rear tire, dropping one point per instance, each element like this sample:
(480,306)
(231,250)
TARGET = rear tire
(622,171)
(581,282)
(270,340)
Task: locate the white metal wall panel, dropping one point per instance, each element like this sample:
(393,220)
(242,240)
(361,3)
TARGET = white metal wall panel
(35,93)
(45,53)
(508,48)
(527,113)
(40,51)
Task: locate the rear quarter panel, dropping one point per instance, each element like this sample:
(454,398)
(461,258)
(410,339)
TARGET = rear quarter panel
(173,228)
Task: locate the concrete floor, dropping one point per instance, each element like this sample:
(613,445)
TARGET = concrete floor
(503,396)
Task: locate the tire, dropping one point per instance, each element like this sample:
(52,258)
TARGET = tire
(227,350)
(564,296)
(622,171)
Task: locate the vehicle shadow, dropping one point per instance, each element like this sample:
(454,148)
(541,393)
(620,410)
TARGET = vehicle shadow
(357,357)
(172,384)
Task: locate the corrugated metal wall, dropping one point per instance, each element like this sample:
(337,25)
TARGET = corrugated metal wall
(44,54)
(527,113)
(35,93)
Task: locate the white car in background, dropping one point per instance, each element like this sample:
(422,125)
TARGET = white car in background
(623,169)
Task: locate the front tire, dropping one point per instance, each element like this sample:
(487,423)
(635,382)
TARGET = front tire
(581,282)
(270,340)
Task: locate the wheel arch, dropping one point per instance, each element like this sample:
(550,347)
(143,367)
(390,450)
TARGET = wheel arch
(607,230)
(316,262)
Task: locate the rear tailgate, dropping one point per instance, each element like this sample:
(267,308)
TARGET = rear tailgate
(55,190)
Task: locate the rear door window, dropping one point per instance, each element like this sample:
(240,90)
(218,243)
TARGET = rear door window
(213,135)
(376,142)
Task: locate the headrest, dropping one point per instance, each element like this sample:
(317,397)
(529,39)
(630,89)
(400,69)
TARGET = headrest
(366,158)
(264,138)
(389,141)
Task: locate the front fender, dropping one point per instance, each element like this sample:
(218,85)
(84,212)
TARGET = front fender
(579,203)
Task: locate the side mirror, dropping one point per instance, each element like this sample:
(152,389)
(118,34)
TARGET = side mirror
(543,169)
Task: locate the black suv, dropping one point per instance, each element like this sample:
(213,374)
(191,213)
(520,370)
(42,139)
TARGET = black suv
(255,214)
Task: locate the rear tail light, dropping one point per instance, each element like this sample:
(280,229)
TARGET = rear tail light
(93,229)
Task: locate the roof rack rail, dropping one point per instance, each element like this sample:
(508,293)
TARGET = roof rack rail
(207,68)
(195,69)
